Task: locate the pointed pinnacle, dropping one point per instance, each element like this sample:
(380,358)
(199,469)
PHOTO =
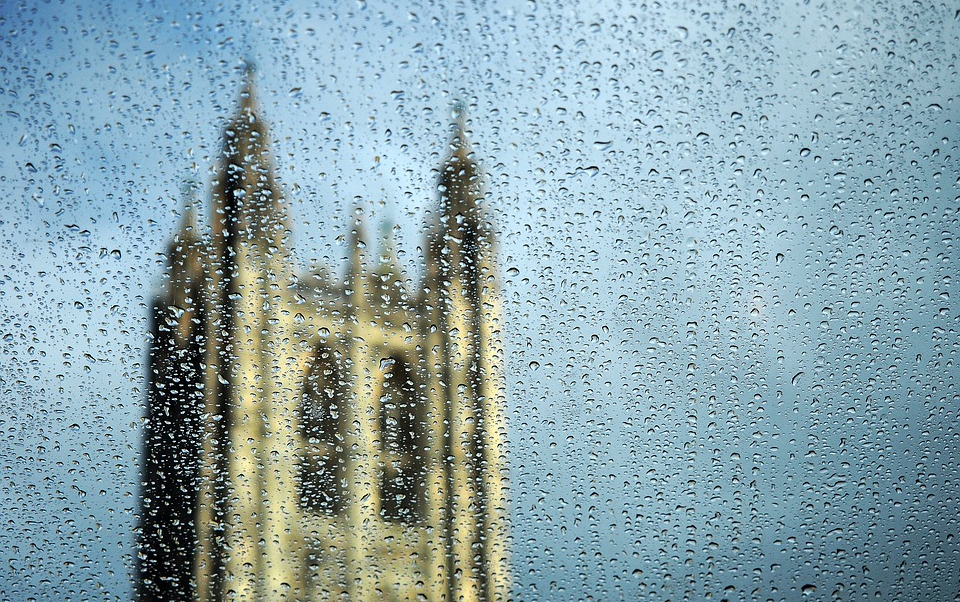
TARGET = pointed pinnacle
(188,215)
(248,89)
(358,243)
(459,111)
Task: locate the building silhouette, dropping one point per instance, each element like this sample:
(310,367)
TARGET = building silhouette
(312,438)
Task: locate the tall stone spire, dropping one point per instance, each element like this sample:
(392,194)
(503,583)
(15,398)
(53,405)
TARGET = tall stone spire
(389,276)
(459,183)
(245,359)
(185,270)
(452,244)
(247,202)
(462,298)
(171,443)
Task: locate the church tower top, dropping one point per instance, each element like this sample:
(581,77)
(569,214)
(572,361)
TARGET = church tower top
(459,175)
(247,201)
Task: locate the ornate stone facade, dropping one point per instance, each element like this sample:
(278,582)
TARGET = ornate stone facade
(319,439)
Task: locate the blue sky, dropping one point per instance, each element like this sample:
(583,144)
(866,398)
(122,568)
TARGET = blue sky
(727,248)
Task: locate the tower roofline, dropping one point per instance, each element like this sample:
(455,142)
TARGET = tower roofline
(459,173)
(247,202)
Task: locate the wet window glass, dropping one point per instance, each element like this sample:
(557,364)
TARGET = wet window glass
(479,301)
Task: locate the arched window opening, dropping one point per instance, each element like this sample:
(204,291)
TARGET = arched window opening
(321,463)
(402,478)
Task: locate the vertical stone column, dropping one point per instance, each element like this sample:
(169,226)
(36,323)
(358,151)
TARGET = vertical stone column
(283,571)
(243,561)
(438,457)
(361,495)
(209,508)
(488,324)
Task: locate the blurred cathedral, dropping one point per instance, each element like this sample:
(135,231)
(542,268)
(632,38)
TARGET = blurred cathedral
(312,438)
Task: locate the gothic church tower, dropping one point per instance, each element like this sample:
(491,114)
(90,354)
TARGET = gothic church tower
(319,439)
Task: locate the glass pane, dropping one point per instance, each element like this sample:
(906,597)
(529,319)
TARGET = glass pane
(542,301)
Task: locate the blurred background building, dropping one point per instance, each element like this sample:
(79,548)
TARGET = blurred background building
(314,438)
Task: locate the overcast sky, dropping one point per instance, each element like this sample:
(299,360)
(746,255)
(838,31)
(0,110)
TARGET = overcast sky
(726,244)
